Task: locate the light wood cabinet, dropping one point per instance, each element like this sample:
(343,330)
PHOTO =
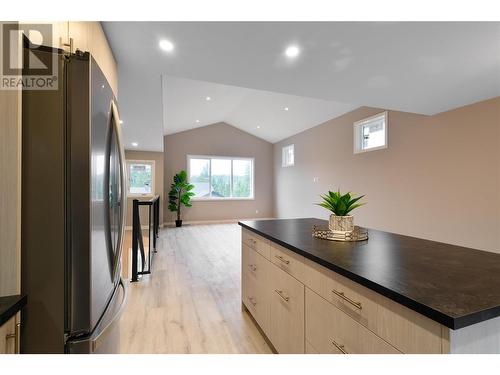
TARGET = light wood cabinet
(288,261)
(330,330)
(353,299)
(60,34)
(80,33)
(255,265)
(303,307)
(87,37)
(310,349)
(287,312)
(255,280)
(407,330)
(259,244)
(10,335)
(256,300)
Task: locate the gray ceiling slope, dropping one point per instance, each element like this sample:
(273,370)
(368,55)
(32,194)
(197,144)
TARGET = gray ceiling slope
(422,67)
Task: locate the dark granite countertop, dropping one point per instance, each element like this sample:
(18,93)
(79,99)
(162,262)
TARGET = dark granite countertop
(10,305)
(453,285)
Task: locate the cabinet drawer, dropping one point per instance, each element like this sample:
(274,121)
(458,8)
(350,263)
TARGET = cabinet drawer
(406,329)
(256,300)
(355,300)
(256,242)
(7,345)
(287,312)
(330,330)
(255,265)
(288,261)
(403,328)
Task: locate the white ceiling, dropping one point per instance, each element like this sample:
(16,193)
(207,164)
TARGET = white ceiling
(422,67)
(261,113)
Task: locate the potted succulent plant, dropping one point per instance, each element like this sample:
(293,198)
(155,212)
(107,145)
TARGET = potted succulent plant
(340,205)
(180,194)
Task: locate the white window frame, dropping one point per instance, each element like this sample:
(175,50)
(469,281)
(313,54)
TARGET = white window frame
(358,139)
(232,158)
(136,195)
(283,158)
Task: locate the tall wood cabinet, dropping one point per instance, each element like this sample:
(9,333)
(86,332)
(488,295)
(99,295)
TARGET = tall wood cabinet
(87,36)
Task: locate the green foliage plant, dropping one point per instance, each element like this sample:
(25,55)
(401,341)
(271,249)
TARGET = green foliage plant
(180,193)
(340,204)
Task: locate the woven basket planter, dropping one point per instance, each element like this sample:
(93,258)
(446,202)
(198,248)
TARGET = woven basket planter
(341,224)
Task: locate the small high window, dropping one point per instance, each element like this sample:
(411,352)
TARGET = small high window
(370,133)
(288,156)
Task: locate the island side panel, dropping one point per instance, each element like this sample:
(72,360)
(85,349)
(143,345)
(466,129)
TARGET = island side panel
(479,338)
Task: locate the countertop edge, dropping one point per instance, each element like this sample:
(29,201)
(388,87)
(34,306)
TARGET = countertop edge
(14,308)
(438,316)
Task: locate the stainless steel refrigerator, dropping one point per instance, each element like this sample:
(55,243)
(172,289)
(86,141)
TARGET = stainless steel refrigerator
(73,210)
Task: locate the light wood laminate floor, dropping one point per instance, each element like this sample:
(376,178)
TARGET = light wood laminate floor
(192,301)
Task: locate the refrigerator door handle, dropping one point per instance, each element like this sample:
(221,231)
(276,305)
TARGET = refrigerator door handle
(123,186)
(96,342)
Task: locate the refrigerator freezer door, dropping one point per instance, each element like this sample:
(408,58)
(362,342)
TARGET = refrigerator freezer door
(106,337)
(115,194)
(108,195)
(96,194)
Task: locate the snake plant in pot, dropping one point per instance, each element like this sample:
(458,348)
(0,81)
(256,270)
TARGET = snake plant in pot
(180,194)
(340,205)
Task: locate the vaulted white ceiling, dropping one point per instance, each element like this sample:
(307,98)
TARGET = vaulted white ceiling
(422,67)
(268,115)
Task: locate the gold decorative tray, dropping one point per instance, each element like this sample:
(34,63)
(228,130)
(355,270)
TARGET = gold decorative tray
(323,232)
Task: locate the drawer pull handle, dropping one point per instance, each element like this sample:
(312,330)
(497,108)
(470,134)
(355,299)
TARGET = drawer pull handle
(253,267)
(283,297)
(16,337)
(343,296)
(252,301)
(282,259)
(339,347)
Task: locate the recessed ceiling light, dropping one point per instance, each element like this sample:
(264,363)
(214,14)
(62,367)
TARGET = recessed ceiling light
(286,108)
(135,144)
(121,121)
(166,45)
(208,98)
(258,126)
(197,120)
(292,51)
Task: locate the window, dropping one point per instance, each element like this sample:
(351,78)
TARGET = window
(288,156)
(140,177)
(371,133)
(217,177)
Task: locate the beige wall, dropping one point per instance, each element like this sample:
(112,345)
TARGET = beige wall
(158,182)
(439,178)
(222,140)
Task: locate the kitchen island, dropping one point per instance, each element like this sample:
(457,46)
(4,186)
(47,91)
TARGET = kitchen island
(389,294)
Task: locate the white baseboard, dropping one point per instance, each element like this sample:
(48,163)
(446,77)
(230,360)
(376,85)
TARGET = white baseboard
(222,221)
(129,227)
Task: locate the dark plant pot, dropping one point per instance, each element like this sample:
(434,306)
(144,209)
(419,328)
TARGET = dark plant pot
(178,223)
